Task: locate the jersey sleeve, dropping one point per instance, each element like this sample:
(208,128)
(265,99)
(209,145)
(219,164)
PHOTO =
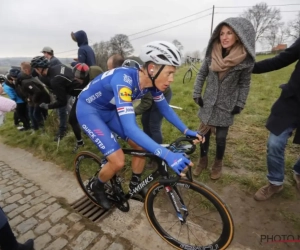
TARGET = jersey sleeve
(122,93)
(166,110)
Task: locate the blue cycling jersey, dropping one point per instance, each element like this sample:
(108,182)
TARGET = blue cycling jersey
(105,105)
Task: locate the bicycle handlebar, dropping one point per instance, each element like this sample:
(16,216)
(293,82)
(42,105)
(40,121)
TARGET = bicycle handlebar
(178,145)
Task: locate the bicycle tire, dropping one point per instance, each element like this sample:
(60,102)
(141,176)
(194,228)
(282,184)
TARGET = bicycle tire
(108,186)
(187,76)
(79,157)
(222,241)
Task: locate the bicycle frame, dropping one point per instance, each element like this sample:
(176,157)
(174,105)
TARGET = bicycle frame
(193,67)
(169,183)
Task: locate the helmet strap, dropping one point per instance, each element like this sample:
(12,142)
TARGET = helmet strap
(156,75)
(43,69)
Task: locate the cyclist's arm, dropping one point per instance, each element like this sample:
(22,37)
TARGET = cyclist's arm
(167,111)
(199,82)
(122,94)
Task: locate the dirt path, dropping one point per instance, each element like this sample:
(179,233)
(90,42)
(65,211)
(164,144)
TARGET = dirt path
(257,222)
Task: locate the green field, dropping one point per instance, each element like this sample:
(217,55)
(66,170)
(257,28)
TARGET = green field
(245,157)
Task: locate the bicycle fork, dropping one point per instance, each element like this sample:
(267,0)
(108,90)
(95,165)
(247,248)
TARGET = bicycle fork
(177,203)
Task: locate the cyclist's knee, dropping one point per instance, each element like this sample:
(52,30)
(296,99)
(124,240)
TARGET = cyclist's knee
(117,161)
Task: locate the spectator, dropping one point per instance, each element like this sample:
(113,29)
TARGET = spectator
(49,54)
(85,52)
(283,120)
(6,105)
(227,67)
(83,74)
(36,93)
(115,61)
(3,79)
(10,89)
(61,83)
(7,239)
(151,117)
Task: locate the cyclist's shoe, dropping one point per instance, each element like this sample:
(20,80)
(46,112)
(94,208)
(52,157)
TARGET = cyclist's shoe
(99,193)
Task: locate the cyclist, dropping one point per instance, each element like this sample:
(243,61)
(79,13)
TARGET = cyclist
(105,106)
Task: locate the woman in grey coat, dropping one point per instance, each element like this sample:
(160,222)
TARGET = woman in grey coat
(227,68)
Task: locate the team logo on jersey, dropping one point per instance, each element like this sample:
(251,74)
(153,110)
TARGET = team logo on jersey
(158,98)
(158,152)
(125,110)
(125,94)
(127,78)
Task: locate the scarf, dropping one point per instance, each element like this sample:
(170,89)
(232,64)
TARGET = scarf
(222,65)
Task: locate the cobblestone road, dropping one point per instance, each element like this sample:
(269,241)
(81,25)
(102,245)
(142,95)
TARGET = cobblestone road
(33,213)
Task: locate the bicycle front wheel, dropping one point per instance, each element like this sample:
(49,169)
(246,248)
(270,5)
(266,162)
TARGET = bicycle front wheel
(87,167)
(187,76)
(207,221)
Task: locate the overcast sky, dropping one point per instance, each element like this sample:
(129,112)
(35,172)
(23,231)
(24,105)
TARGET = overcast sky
(29,25)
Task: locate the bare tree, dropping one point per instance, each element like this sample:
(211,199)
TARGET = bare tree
(121,45)
(271,36)
(263,18)
(294,27)
(196,54)
(102,51)
(178,45)
(282,35)
(277,35)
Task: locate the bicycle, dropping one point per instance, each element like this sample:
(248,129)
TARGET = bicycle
(188,75)
(185,213)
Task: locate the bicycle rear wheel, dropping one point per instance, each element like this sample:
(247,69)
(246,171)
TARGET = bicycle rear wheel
(187,76)
(208,223)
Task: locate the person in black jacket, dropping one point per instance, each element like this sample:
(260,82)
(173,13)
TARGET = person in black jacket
(7,238)
(61,83)
(283,120)
(35,93)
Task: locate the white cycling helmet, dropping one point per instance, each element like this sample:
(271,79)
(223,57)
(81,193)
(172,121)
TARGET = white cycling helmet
(162,53)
